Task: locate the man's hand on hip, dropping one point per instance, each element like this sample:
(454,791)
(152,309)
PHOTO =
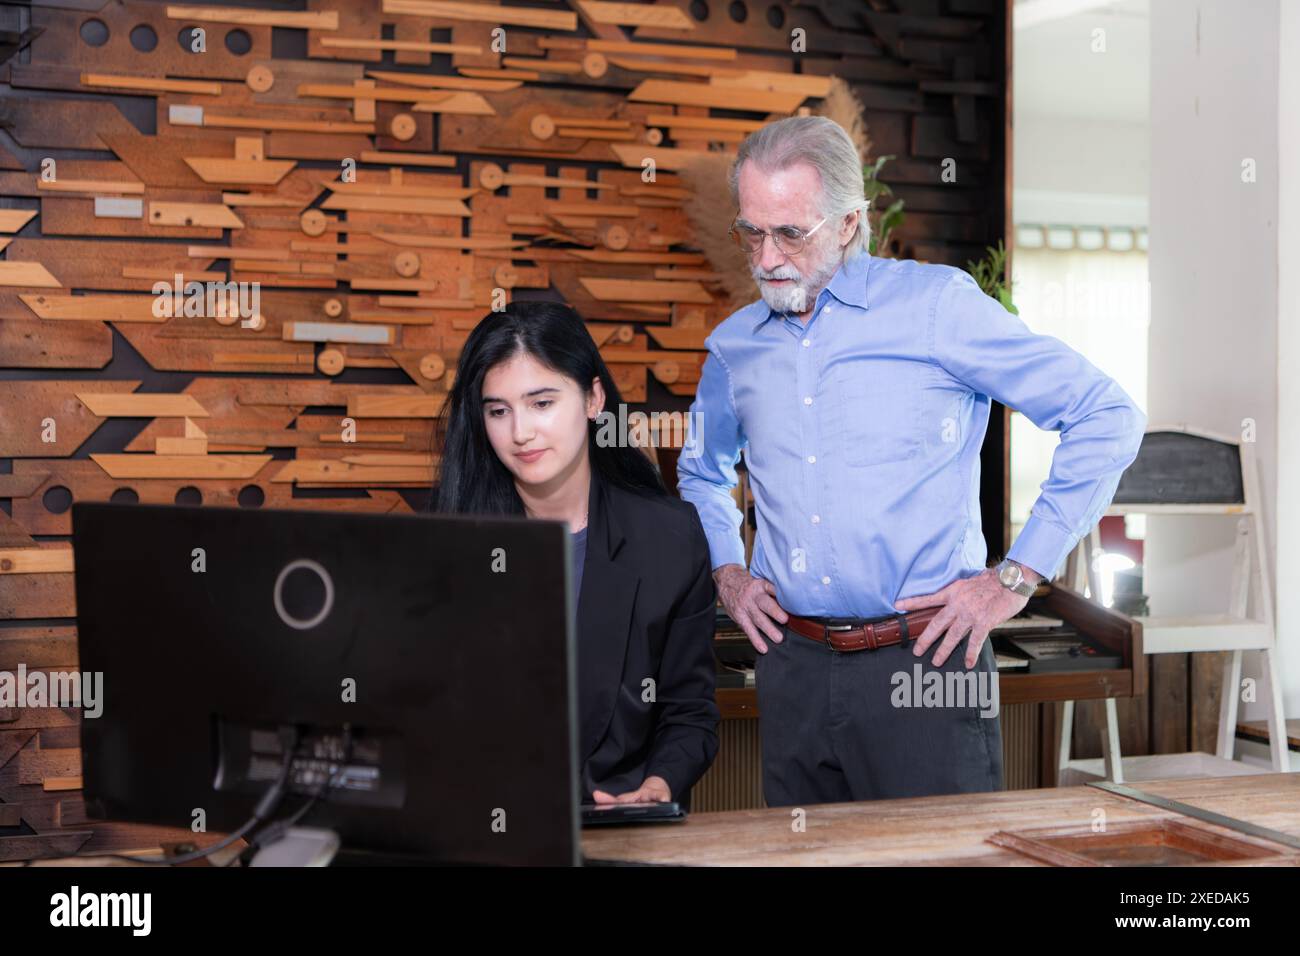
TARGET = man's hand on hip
(751,602)
(976,605)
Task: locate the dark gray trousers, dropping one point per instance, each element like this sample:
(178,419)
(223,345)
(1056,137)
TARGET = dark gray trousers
(838,726)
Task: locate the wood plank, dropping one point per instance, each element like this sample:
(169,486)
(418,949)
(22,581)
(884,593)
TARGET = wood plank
(234,121)
(35,560)
(445,82)
(678,50)
(12,220)
(484,13)
(151,84)
(636,15)
(394,94)
(632,155)
(398,190)
(326,472)
(370,405)
(397,204)
(225,466)
(542,64)
(408,159)
(644,290)
(805,83)
(703,123)
(638,64)
(142,405)
(93,187)
(493,74)
(262,172)
(721,97)
(165,445)
(460,103)
(29,274)
(215,215)
(236,252)
(308,20)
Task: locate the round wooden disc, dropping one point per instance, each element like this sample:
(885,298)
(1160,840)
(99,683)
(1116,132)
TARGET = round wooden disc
(542,126)
(615,237)
(333,308)
(312,222)
(254,324)
(491,176)
(330,361)
(667,372)
(402,126)
(506,276)
(654,136)
(407,263)
(432,366)
(260,79)
(624,334)
(595,64)
(225,317)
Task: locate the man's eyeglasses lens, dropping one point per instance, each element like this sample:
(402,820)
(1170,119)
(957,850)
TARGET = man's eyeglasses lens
(787,238)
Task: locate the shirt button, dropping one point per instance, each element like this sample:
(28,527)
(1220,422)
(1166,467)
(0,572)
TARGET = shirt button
(812,459)
(826,580)
(807,399)
(816,519)
(807,342)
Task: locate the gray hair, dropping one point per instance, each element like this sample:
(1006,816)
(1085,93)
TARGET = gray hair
(822,144)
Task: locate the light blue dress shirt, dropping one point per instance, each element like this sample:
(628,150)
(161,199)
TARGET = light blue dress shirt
(861,431)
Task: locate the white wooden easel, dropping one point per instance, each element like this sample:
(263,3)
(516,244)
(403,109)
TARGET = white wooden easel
(1233,631)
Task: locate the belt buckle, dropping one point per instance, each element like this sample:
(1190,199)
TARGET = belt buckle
(828,627)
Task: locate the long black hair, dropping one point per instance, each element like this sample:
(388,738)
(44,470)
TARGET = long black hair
(472,479)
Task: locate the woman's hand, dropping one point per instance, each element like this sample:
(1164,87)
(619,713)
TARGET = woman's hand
(652,790)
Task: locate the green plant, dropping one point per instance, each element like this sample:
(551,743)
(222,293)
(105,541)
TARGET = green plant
(889,220)
(990,273)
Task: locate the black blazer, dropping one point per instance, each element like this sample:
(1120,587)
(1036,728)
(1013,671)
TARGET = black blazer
(645,610)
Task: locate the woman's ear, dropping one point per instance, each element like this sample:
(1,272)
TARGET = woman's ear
(595,398)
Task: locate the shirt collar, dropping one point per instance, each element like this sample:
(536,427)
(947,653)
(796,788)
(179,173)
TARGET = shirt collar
(848,284)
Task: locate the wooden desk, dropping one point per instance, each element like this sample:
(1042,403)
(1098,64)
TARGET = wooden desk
(945,831)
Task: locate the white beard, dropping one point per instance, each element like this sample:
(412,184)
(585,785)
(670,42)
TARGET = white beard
(800,295)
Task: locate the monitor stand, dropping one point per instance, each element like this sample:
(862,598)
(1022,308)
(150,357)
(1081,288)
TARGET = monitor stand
(300,846)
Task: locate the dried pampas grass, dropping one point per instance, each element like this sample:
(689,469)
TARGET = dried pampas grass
(711,211)
(843,106)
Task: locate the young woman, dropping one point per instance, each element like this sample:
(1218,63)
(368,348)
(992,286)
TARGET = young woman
(520,437)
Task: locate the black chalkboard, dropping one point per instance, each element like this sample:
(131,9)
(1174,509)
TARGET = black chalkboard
(1174,468)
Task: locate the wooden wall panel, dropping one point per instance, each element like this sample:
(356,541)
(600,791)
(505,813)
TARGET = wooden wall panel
(382,166)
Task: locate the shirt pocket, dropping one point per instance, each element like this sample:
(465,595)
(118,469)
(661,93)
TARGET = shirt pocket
(878,420)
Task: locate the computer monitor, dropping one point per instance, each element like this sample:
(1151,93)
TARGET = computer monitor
(436,652)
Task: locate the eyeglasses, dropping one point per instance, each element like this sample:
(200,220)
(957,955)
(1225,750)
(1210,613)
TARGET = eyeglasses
(787,239)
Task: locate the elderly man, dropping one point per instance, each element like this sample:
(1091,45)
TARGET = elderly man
(858,389)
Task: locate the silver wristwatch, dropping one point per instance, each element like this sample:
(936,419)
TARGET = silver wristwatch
(1012,577)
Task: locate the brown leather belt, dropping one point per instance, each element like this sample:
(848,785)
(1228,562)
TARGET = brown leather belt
(866,635)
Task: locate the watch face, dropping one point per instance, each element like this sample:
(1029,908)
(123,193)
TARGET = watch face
(1009,575)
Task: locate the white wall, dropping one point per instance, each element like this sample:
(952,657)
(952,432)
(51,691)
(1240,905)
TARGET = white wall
(1080,171)
(1214,246)
(1288,357)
